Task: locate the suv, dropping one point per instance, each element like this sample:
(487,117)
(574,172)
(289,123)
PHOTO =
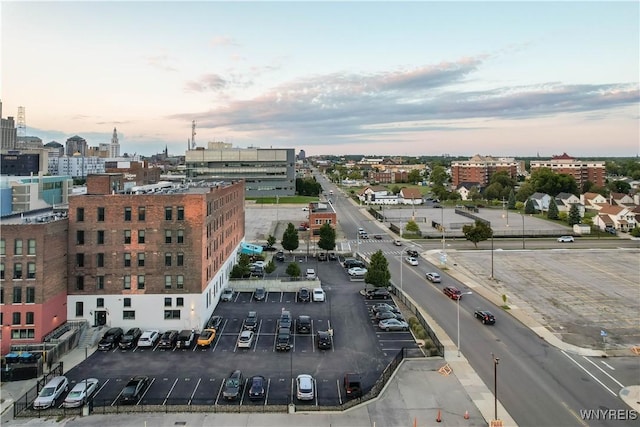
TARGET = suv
(283,340)
(110,339)
(352,385)
(378,293)
(310,274)
(280,256)
(130,339)
(168,339)
(185,338)
(132,392)
(227,294)
(304,324)
(324,340)
(433,277)
(351,262)
(251,321)
(485,317)
(322,256)
(412,253)
(304,295)
(50,392)
(332,256)
(285,320)
(452,292)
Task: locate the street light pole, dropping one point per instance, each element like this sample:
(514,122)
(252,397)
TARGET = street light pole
(491,256)
(495,386)
(523,230)
(459,298)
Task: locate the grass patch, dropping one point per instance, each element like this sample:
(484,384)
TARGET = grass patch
(284,200)
(505,307)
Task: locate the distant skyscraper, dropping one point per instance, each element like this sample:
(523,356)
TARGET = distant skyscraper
(302,155)
(114,148)
(76,144)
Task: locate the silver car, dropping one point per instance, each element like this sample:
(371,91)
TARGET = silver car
(393,325)
(80,393)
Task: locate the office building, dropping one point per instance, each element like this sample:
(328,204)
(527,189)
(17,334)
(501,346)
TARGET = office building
(581,171)
(480,169)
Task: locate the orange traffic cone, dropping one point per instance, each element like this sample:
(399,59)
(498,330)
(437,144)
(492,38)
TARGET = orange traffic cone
(466,415)
(438,418)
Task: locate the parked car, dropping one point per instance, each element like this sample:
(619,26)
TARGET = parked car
(279,256)
(322,256)
(332,256)
(318,295)
(323,340)
(215,322)
(305,387)
(352,262)
(233,385)
(411,260)
(168,339)
(383,315)
(364,236)
(412,253)
(80,393)
(485,317)
(149,338)
(260,294)
(260,264)
(303,325)
(245,340)
(251,321)
(565,239)
(130,338)
(433,277)
(377,236)
(285,320)
(268,248)
(206,337)
(283,339)
(50,392)
(310,274)
(393,325)
(352,385)
(257,388)
(357,271)
(110,339)
(227,294)
(378,293)
(133,391)
(304,295)
(452,292)
(186,338)
(383,306)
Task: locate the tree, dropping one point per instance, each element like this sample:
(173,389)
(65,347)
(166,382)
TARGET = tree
(290,240)
(270,267)
(494,191)
(414,176)
(544,180)
(271,240)
(619,187)
(574,215)
(395,189)
(308,187)
(412,227)
(478,232)
(503,179)
(438,176)
(512,200)
(327,239)
(552,213)
(529,207)
(293,270)
(474,194)
(241,269)
(378,272)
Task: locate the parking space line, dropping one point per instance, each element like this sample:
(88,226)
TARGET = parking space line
(244,389)
(266,394)
(194,391)
(339,391)
(170,390)
(145,392)
(220,391)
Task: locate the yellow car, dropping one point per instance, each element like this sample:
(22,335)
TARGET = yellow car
(206,337)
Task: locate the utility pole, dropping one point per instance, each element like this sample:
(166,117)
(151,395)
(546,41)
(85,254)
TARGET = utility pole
(495,386)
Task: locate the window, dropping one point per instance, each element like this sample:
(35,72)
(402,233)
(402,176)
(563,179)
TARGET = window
(99,282)
(31,295)
(141,259)
(3,247)
(17,270)
(2,271)
(100,237)
(141,281)
(128,315)
(80,283)
(127,259)
(168,213)
(127,302)
(100,214)
(17,247)
(167,259)
(127,214)
(142,213)
(100,259)
(127,282)
(172,314)
(140,236)
(31,270)
(79,260)
(127,237)
(180,236)
(79,237)
(18,334)
(180,259)
(167,302)
(180,281)
(167,236)
(17,295)
(80,214)
(29,318)
(179,302)
(16,318)
(167,282)
(180,213)
(1,297)
(31,247)
(100,302)
(79,308)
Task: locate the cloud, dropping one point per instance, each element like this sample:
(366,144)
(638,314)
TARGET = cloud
(206,83)
(160,62)
(224,41)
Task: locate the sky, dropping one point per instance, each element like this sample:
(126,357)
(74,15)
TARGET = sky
(416,78)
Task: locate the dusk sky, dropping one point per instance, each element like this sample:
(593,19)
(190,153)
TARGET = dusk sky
(375,78)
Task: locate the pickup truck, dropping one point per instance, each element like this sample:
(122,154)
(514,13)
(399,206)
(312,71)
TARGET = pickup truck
(283,342)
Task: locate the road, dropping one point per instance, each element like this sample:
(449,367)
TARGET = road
(537,383)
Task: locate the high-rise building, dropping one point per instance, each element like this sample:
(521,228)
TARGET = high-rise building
(76,144)
(581,171)
(114,147)
(480,169)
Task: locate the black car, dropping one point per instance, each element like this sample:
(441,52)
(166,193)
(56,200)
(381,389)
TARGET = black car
(268,248)
(322,256)
(304,295)
(133,391)
(168,339)
(283,340)
(303,325)
(285,320)
(332,256)
(352,385)
(323,340)
(233,385)
(110,339)
(383,306)
(251,321)
(412,253)
(257,387)
(260,294)
(485,317)
(186,337)
(214,322)
(130,339)
(279,256)
(378,293)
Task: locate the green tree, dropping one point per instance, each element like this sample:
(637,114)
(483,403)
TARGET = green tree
(478,232)
(529,207)
(512,200)
(635,232)
(293,270)
(327,239)
(290,241)
(414,176)
(503,179)
(574,215)
(619,187)
(378,271)
(494,191)
(544,180)
(552,213)
(395,189)
(239,271)
(270,267)
(308,187)
(271,240)
(438,176)
(412,227)
(474,194)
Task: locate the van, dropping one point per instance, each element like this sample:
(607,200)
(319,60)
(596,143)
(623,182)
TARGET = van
(50,392)
(311,274)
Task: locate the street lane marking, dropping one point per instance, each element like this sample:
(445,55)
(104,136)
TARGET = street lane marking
(589,373)
(603,371)
(607,365)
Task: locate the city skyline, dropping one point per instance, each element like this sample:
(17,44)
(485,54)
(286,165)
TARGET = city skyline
(418,78)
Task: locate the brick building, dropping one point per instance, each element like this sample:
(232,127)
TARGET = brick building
(319,214)
(480,169)
(581,171)
(32,303)
(152,260)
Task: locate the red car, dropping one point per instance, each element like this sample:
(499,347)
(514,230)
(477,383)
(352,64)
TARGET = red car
(452,292)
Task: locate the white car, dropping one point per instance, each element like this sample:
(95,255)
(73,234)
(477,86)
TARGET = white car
(227,294)
(311,274)
(305,209)
(80,392)
(48,395)
(260,264)
(411,260)
(149,338)
(357,271)
(318,295)
(246,339)
(397,242)
(305,386)
(565,239)
(433,277)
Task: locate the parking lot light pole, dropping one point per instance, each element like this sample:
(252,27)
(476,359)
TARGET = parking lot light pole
(458,302)
(495,386)
(491,277)
(522,230)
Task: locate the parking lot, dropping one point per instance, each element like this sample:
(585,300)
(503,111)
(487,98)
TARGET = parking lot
(197,375)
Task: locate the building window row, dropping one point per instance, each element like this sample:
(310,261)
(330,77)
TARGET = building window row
(18,334)
(18,272)
(29,318)
(128,213)
(18,247)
